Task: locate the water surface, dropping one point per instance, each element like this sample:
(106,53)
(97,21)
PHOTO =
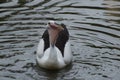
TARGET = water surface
(94,27)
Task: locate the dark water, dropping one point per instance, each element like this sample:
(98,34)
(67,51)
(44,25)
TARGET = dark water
(94,27)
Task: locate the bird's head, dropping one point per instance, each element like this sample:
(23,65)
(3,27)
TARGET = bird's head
(54,29)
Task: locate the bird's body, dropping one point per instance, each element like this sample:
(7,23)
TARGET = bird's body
(54,50)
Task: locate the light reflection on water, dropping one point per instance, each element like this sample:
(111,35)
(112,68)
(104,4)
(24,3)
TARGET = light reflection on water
(94,34)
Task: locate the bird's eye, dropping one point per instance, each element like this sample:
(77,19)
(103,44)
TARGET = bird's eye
(49,23)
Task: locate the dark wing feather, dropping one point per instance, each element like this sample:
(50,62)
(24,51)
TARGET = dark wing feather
(62,39)
(45,37)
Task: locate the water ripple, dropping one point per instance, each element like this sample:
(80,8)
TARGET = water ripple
(94,34)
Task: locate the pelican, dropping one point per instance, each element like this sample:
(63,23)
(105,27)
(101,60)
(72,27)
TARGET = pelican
(54,50)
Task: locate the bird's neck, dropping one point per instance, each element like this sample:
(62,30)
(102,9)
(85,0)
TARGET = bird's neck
(53,35)
(53,55)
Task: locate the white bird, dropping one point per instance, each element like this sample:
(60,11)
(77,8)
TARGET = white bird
(54,50)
